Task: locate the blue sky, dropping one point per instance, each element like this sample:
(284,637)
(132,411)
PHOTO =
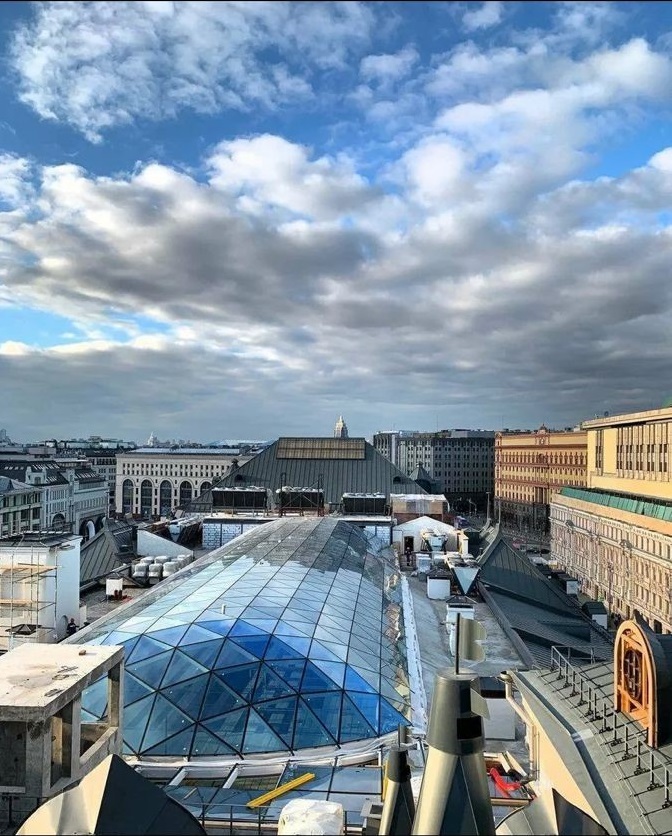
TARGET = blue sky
(236,219)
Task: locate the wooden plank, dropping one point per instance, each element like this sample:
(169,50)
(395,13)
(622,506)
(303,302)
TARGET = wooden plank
(281,790)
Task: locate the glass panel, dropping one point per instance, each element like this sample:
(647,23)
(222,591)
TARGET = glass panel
(354,682)
(133,689)
(334,670)
(170,635)
(180,668)
(207,744)
(145,648)
(279,649)
(219,699)
(94,698)
(279,714)
(369,705)
(389,718)
(309,731)
(205,652)
(188,696)
(353,724)
(286,631)
(230,727)
(299,643)
(291,671)
(165,720)
(242,679)
(151,670)
(256,645)
(232,654)
(259,737)
(178,746)
(319,651)
(244,628)
(315,680)
(269,686)
(222,626)
(135,721)
(197,633)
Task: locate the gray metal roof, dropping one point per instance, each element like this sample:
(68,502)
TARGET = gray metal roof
(361,469)
(8,485)
(101,555)
(606,763)
(540,615)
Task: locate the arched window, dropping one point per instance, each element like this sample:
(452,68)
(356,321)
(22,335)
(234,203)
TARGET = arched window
(58,522)
(165,498)
(146,498)
(205,487)
(186,492)
(127,496)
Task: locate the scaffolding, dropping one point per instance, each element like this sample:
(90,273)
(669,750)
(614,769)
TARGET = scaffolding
(27,590)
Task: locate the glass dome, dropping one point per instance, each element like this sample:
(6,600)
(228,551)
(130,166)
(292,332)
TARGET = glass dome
(287,638)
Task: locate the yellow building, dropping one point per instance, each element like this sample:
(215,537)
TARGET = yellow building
(615,535)
(530,467)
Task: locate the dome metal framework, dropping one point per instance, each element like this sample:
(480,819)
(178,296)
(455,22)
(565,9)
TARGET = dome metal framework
(285,639)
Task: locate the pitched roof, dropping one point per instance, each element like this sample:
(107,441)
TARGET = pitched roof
(104,553)
(8,485)
(526,602)
(337,465)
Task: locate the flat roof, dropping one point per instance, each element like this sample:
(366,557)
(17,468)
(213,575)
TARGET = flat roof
(34,676)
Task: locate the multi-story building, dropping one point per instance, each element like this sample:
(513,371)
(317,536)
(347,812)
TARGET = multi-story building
(74,497)
(530,467)
(461,462)
(153,481)
(615,535)
(20,506)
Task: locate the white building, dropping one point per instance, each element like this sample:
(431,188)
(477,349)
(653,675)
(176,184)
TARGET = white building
(153,481)
(74,497)
(39,587)
(20,506)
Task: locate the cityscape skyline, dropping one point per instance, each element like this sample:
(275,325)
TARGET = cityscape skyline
(242,220)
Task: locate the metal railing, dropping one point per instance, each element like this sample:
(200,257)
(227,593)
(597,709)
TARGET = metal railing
(614,729)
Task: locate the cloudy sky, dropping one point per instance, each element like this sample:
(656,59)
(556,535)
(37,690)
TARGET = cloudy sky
(241,219)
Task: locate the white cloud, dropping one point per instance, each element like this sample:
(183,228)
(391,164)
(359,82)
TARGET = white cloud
(268,171)
(14,180)
(388,67)
(102,64)
(488,14)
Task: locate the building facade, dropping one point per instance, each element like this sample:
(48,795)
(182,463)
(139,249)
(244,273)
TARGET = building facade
(530,467)
(154,481)
(461,462)
(20,507)
(74,497)
(615,535)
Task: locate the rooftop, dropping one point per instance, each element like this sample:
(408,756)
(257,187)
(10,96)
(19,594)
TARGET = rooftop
(33,676)
(622,774)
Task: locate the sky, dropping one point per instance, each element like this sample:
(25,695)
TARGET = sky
(243,219)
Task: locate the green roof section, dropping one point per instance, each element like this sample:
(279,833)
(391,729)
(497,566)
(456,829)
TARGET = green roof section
(623,502)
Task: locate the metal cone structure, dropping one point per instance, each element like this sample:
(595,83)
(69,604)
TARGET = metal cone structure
(454,796)
(399,806)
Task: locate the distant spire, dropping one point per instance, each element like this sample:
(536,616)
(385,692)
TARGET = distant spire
(151,441)
(341,428)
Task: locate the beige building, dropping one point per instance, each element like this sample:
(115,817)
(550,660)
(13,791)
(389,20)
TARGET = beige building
(530,467)
(615,535)
(20,507)
(153,481)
